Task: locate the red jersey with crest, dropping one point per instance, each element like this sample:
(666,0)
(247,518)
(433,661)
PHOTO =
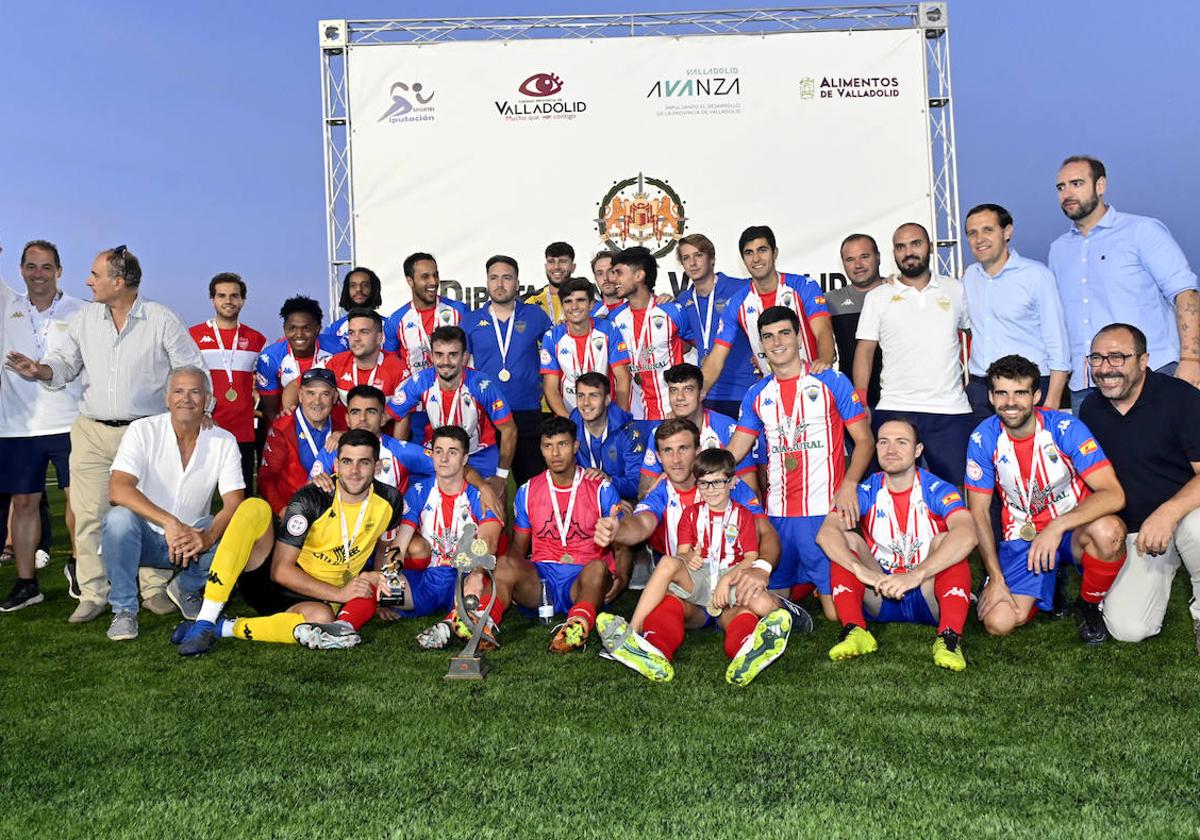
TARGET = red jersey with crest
(230,356)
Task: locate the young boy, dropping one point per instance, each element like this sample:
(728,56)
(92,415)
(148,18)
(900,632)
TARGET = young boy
(716,536)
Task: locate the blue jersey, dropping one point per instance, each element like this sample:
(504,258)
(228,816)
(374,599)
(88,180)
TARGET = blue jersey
(401,462)
(336,332)
(715,433)
(529,323)
(704,314)
(618,451)
(277,367)
(899,527)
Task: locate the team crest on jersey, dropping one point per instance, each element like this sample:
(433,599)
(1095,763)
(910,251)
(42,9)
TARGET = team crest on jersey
(944,303)
(546,357)
(897,298)
(659,320)
(974,471)
(520,325)
(297,525)
(598,343)
(812,392)
(1051,452)
(641,211)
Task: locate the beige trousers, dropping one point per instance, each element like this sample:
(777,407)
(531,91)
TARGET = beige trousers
(1136,603)
(93,447)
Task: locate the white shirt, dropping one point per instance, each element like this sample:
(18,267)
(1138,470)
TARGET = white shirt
(150,452)
(918,334)
(26,408)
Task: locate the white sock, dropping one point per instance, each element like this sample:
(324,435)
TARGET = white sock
(225,628)
(210,610)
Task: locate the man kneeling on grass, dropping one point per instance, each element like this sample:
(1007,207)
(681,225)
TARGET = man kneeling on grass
(912,552)
(317,561)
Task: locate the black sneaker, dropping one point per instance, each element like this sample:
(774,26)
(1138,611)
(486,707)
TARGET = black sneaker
(1091,623)
(72,579)
(25,593)
(802,622)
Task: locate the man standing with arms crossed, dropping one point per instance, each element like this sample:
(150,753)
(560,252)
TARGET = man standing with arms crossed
(860,261)
(128,346)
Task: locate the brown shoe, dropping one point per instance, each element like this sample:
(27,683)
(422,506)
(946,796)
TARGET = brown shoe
(160,604)
(85,612)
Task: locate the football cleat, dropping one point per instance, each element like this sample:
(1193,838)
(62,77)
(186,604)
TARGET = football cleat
(1092,630)
(435,636)
(571,635)
(181,631)
(802,621)
(335,636)
(622,645)
(199,638)
(854,641)
(947,651)
(761,648)
(489,640)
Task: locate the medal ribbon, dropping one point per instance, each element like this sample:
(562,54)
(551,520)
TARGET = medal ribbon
(717,542)
(374,370)
(560,521)
(459,514)
(705,320)
(503,343)
(347,536)
(309,436)
(226,356)
(40,340)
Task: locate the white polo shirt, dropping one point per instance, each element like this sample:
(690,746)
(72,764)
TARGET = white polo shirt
(918,332)
(150,451)
(26,408)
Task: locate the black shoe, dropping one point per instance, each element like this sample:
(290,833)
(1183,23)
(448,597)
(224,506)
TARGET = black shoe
(1091,623)
(25,593)
(72,579)
(802,622)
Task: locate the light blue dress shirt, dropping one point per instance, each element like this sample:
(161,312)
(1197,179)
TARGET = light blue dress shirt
(1129,270)
(1017,311)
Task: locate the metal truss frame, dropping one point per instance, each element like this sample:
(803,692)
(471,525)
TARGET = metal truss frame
(336,37)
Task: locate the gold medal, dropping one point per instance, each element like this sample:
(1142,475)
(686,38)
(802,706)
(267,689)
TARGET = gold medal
(504,375)
(231,394)
(566,558)
(712,609)
(1027,532)
(791,463)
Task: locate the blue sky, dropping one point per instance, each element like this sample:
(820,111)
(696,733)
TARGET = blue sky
(192,133)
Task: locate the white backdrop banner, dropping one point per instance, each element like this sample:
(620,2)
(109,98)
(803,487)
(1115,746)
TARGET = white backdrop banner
(469,149)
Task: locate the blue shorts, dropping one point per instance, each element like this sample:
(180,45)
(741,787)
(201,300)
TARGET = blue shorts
(800,559)
(25,460)
(911,609)
(432,590)
(1020,581)
(559,578)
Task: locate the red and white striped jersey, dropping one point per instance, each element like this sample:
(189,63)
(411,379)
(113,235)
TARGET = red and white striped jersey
(802,421)
(655,337)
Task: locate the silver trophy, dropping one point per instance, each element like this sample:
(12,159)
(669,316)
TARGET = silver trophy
(471,554)
(391,575)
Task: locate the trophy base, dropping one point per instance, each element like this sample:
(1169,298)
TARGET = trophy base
(467,668)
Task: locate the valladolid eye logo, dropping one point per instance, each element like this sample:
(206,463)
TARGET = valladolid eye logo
(641,211)
(542,100)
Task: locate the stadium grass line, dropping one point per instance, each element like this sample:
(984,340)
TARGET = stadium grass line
(1039,736)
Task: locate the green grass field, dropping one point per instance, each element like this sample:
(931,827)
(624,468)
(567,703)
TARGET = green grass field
(1039,737)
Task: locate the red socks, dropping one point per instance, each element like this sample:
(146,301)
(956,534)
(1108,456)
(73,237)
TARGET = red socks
(1098,576)
(847,595)
(741,628)
(663,628)
(583,610)
(800,591)
(358,611)
(952,587)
